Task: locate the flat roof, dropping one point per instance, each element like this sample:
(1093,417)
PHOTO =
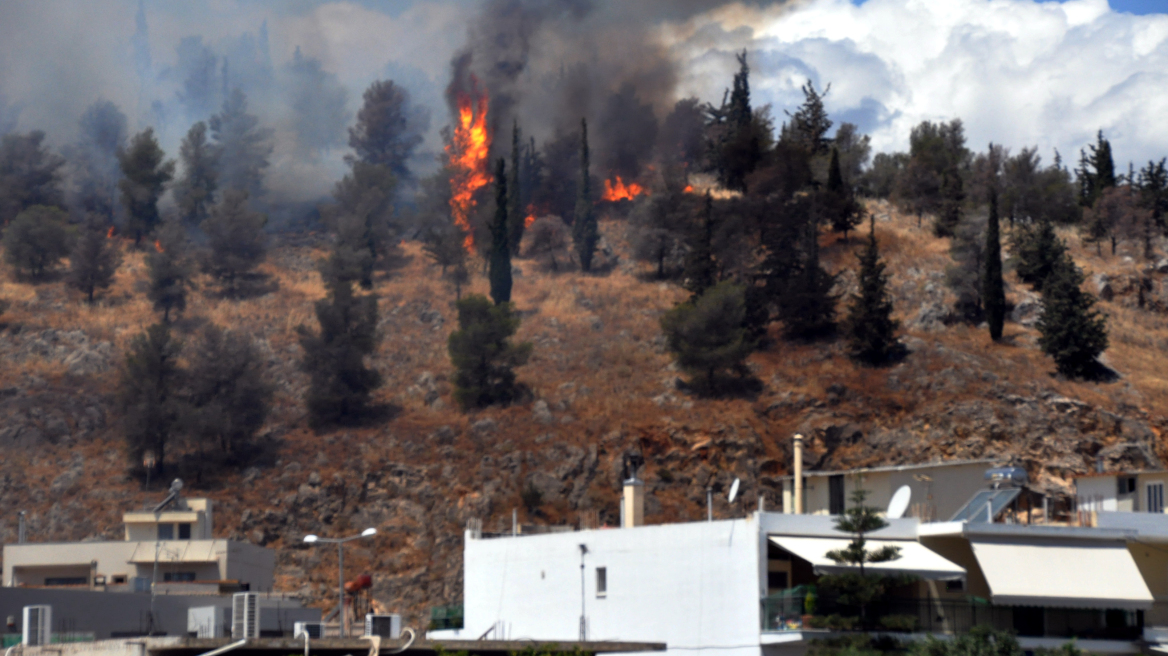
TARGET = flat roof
(982,529)
(1129,472)
(893,468)
(182,646)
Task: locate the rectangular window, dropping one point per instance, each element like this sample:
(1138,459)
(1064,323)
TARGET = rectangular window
(178,577)
(118,579)
(1127,484)
(835,494)
(184,531)
(954,586)
(166,531)
(67,580)
(776,580)
(601,581)
(1155,493)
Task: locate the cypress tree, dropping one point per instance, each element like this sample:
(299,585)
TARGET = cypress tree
(843,210)
(1072,331)
(700,273)
(584,230)
(835,179)
(94,260)
(1038,249)
(870,328)
(993,289)
(500,259)
(482,353)
(515,215)
(806,304)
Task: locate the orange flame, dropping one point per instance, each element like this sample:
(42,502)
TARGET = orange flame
(110,234)
(530,218)
(688,189)
(620,191)
(158,246)
(468,150)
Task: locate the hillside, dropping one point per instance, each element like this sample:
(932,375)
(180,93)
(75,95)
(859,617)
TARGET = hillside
(603,385)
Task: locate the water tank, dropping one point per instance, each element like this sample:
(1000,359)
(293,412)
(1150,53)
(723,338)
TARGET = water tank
(1006,476)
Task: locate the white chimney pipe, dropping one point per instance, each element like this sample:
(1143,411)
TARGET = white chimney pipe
(798,482)
(633,504)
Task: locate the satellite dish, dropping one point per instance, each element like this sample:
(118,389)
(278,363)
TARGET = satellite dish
(899,502)
(734,490)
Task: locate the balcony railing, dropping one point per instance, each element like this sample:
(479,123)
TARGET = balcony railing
(786,612)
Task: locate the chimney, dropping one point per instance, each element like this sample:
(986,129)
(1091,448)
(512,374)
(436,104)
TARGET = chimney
(633,504)
(798,482)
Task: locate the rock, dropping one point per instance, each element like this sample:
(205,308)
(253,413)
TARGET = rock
(596,323)
(89,361)
(541,413)
(314,479)
(1162,265)
(444,436)
(930,317)
(1027,311)
(484,426)
(1102,284)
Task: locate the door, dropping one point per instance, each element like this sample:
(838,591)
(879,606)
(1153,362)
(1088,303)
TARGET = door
(835,494)
(1155,497)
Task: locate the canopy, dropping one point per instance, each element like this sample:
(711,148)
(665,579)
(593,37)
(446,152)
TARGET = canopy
(1080,574)
(179,551)
(914,559)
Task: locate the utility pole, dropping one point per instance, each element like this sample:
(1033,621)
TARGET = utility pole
(583,622)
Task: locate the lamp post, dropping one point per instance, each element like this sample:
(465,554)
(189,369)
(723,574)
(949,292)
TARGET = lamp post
(340,542)
(583,620)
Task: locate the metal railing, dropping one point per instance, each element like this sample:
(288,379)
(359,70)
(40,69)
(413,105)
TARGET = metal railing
(786,612)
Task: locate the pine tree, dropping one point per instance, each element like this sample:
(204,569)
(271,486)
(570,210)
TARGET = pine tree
(340,383)
(149,394)
(700,271)
(235,235)
(483,356)
(94,259)
(226,395)
(844,212)
(707,335)
(993,289)
(1072,331)
(585,233)
(869,326)
(500,256)
(36,240)
(1038,249)
(806,304)
(388,128)
(195,190)
(170,270)
(145,175)
(242,146)
(30,174)
(809,124)
(741,150)
(516,217)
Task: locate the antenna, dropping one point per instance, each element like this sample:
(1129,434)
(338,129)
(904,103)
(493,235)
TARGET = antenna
(899,502)
(734,490)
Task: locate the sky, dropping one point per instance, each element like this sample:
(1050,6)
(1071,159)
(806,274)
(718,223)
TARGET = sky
(1017,72)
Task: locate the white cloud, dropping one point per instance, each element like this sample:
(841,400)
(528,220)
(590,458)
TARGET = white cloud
(1017,72)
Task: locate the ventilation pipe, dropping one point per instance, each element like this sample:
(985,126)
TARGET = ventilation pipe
(798,482)
(633,504)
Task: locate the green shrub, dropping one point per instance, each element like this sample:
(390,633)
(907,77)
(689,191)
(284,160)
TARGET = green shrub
(36,240)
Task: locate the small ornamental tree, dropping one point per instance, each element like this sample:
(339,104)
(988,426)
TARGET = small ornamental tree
(993,289)
(500,255)
(857,588)
(483,356)
(149,394)
(870,328)
(94,260)
(340,383)
(1072,331)
(707,336)
(36,240)
(169,268)
(235,235)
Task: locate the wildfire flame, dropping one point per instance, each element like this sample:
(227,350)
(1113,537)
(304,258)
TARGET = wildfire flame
(618,190)
(468,150)
(110,234)
(530,218)
(688,189)
(158,246)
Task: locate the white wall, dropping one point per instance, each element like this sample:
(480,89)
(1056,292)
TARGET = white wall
(688,585)
(1096,493)
(951,487)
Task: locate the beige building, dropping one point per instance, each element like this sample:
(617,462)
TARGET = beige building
(1133,491)
(177,542)
(938,489)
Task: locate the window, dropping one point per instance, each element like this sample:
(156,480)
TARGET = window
(67,580)
(954,586)
(166,531)
(835,494)
(184,531)
(178,577)
(776,580)
(1127,484)
(118,579)
(1155,493)
(601,581)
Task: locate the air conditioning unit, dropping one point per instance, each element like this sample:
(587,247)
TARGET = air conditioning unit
(245,615)
(38,623)
(314,630)
(386,626)
(208,621)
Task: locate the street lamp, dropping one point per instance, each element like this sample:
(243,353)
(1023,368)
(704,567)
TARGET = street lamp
(340,542)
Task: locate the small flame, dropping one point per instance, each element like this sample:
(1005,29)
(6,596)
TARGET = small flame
(469,147)
(618,190)
(158,246)
(688,189)
(110,234)
(530,218)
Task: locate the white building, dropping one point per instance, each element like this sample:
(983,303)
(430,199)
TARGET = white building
(177,539)
(740,586)
(1130,491)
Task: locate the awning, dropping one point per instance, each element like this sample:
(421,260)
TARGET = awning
(179,551)
(1096,574)
(914,559)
